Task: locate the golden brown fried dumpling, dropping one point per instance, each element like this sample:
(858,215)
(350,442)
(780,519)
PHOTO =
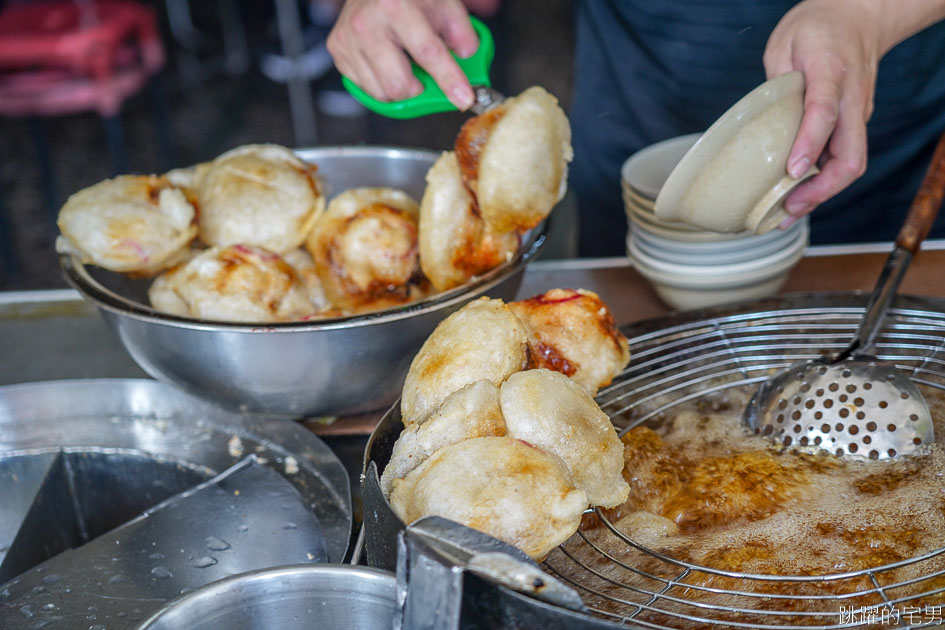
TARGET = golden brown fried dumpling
(239,283)
(497,485)
(259,194)
(470,412)
(304,267)
(139,223)
(514,159)
(482,340)
(573,332)
(365,248)
(455,243)
(552,412)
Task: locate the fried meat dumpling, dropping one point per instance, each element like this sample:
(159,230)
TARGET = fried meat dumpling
(455,243)
(497,485)
(573,332)
(553,413)
(482,340)
(514,159)
(239,283)
(304,267)
(132,223)
(470,412)
(258,194)
(365,248)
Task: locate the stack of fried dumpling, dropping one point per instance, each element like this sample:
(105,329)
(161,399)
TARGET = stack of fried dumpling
(370,249)
(508,169)
(501,439)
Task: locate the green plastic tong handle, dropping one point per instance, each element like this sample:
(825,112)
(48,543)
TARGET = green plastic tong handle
(432,100)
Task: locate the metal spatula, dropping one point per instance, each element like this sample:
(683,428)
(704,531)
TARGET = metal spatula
(852,403)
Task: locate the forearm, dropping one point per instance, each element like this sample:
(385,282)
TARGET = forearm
(901,19)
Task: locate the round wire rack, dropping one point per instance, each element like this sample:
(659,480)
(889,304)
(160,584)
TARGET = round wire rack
(694,357)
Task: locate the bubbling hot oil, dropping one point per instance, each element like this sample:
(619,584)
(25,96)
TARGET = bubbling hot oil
(707,492)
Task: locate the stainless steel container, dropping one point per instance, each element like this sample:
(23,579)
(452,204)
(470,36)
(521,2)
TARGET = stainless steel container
(118,495)
(691,357)
(288,598)
(331,367)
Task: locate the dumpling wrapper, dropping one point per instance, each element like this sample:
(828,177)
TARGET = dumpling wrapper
(132,223)
(304,267)
(573,332)
(482,340)
(514,159)
(240,283)
(258,194)
(455,243)
(555,414)
(470,412)
(365,248)
(497,485)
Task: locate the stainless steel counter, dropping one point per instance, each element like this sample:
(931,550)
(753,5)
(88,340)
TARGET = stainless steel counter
(47,335)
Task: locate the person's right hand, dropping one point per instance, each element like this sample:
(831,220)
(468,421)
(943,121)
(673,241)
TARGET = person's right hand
(369,40)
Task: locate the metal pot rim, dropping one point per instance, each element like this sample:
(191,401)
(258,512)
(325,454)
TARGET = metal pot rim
(79,278)
(279,574)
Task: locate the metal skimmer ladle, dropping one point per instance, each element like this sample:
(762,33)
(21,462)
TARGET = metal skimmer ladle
(852,403)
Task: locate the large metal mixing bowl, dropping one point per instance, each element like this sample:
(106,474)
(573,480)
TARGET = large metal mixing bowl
(330,367)
(288,598)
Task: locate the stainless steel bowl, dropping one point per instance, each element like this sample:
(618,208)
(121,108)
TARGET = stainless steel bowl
(336,366)
(306,596)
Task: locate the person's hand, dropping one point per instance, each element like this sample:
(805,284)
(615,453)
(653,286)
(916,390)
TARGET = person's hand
(369,40)
(837,44)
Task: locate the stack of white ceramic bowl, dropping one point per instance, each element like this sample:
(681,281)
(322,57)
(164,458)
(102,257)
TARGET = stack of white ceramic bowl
(690,267)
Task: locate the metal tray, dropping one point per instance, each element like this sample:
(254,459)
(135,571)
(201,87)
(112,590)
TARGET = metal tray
(96,474)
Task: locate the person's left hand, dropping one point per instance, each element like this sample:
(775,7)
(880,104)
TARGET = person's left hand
(837,44)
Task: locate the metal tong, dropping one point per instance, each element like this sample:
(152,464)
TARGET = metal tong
(432,100)
(435,554)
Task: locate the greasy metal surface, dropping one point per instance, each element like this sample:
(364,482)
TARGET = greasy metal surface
(683,357)
(84,494)
(435,555)
(249,517)
(332,367)
(50,335)
(21,478)
(308,597)
(143,418)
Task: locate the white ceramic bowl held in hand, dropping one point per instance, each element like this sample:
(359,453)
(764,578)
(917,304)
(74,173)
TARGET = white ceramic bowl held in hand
(734,178)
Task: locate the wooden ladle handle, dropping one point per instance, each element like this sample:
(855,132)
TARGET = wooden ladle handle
(926,204)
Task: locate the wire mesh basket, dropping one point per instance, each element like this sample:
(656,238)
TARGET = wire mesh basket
(698,357)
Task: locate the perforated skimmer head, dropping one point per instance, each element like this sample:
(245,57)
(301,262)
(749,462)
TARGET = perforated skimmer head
(859,406)
(851,403)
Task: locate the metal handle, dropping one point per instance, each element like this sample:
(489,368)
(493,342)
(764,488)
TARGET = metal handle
(432,100)
(915,228)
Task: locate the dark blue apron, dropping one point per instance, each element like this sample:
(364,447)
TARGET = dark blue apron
(646,71)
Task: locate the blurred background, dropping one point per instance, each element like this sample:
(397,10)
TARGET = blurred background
(189,79)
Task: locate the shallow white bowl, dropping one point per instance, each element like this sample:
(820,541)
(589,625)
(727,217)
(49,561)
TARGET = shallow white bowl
(673,247)
(647,216)
(646,170)
(731,269)
(691,291)
(734,178)
(672,233)
(751,251)
(632,197)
